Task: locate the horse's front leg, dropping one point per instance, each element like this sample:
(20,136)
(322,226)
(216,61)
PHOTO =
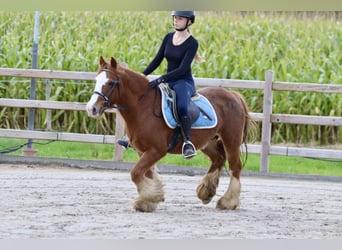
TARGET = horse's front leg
(148,183)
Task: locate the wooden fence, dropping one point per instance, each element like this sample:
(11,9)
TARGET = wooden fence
(267,117)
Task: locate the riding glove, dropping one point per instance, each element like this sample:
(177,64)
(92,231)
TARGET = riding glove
(154,83)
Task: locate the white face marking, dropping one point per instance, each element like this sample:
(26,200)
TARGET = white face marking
(101,80)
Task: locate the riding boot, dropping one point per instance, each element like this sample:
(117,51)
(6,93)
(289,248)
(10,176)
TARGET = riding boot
(188,149)
(124,143)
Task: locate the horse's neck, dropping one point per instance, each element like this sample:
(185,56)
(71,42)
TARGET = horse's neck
(135,81)
(135,97)
(134,84)
(133,94)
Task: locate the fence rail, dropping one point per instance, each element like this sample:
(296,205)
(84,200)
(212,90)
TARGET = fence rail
(267,117)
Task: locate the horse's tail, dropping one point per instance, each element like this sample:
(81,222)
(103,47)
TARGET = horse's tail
(249,125)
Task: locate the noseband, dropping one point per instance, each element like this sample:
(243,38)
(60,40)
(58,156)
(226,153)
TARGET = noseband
(114,84)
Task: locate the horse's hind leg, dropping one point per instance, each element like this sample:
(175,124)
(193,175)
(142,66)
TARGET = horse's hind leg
(231,199)
(209,183)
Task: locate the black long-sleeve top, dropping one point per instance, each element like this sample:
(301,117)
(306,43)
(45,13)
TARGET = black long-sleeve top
(179,58)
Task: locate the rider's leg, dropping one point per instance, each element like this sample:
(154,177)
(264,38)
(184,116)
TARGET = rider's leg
(124,143)
(184,90)
(188,149)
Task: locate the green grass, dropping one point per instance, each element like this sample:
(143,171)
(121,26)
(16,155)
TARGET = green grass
(91,151)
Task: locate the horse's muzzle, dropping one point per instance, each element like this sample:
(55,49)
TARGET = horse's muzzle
(94,111)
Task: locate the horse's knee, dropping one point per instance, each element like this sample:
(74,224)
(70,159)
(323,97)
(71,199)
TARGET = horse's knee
(137,175)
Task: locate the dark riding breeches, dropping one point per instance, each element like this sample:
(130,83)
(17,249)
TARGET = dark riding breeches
(185,89)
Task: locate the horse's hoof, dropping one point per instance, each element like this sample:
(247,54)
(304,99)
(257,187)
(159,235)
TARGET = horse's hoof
(205,202)
(225,204)
(204,193)
(144,206)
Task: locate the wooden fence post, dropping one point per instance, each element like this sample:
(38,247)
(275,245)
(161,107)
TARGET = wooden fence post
(48,111)
(119,133)
(266,122)
(119,130)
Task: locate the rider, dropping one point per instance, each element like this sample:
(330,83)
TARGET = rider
(179,48)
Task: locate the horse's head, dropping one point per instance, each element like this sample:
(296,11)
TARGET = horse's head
(107,82)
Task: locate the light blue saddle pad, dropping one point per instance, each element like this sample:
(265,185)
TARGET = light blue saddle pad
(202,122)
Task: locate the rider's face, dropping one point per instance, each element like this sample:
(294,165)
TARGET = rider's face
(179,22)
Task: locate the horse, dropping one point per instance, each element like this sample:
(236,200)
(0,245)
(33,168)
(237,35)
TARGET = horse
(128,91)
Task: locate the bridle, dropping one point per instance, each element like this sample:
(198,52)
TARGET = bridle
(113,84)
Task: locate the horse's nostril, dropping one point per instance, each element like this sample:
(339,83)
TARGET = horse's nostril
(94,110)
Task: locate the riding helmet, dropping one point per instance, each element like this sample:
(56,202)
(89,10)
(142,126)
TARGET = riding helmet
(189,14)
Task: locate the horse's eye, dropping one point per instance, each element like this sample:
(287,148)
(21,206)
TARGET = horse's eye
(112,83)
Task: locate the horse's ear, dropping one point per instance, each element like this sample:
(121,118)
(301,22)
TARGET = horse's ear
(102,61)
(113,62)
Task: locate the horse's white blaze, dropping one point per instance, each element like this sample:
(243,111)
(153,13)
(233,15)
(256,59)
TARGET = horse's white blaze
(101,80)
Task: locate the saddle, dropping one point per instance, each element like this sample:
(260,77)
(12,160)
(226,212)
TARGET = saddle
(202,114)
(193,110)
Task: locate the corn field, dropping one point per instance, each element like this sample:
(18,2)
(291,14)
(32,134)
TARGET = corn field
(297,46)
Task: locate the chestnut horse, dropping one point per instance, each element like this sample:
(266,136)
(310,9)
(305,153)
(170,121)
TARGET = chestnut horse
(128,91)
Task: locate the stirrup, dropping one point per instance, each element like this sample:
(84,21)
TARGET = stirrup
(124,143)
(188,150)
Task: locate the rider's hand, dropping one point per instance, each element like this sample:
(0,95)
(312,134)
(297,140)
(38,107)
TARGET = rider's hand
(154,83)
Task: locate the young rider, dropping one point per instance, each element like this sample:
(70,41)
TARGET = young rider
(179,48)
